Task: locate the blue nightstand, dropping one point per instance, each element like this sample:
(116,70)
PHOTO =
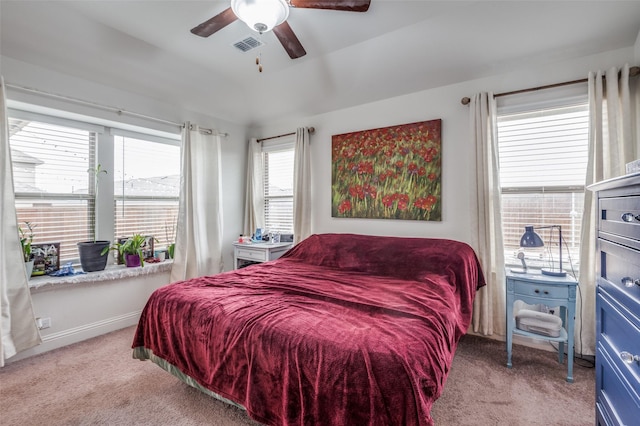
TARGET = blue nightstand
(535,288)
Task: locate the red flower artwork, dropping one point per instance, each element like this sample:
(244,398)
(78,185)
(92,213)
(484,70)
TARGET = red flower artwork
(344,206)
(388,173)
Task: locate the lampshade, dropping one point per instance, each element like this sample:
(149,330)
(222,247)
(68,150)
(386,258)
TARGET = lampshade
(530,238)
(261,15)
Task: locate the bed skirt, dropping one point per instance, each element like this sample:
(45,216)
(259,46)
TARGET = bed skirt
(144,354)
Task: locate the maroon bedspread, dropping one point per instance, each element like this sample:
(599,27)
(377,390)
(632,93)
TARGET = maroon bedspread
(343,330)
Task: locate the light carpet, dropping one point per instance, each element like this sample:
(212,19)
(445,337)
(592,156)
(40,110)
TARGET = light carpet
(96,382)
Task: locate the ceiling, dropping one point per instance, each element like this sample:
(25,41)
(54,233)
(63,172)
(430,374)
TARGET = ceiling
(395,48)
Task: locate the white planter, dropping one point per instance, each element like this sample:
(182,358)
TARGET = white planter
(29,268)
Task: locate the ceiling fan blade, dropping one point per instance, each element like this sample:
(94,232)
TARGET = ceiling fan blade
(289,40)
(345,5)
(215,24)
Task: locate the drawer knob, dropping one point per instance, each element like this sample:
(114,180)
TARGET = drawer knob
(629,358)
(537,291)
(630,282)
(629,217)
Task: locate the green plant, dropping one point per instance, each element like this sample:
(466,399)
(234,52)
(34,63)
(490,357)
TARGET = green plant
(169,230)
(96,171)
(132,245)
(26,238)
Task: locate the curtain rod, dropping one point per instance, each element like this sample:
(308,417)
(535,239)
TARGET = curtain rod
(633,71)
(118,111)
(310,129)
(203,130)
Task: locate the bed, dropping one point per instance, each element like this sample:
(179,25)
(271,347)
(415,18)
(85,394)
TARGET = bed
(343,329)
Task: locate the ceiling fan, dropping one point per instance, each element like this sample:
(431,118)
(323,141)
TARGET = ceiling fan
(266,15)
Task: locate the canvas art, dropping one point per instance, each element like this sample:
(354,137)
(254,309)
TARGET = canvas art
(388,173)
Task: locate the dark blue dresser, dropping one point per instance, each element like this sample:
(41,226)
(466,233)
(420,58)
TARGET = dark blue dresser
(618,301)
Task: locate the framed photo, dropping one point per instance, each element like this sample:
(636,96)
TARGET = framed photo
(46,258)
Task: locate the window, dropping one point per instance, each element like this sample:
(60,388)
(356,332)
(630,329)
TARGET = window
(51,159)
(543,159)
(278,185)
(146,187)
(51,182)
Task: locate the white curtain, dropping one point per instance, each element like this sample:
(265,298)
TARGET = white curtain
(301,186)
(489,305)
(198,250)
(254,193)
(613,142)
(17,320)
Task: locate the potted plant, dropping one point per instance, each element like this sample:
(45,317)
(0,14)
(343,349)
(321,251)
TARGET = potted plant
(169,230)
(94,254)
(131,250)
(26,239)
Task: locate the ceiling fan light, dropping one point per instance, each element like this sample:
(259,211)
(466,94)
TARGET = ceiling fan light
(261,15)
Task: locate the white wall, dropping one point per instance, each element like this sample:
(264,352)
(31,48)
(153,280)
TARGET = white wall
(80,311)
(458,167)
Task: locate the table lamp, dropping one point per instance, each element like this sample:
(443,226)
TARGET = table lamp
(531,239)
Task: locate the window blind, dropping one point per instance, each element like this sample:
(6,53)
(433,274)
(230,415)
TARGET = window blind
(278,188)
(52,186)
(544,149)
(146,187)
(543,159)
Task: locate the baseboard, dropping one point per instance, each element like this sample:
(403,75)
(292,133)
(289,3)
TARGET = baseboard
(78,334)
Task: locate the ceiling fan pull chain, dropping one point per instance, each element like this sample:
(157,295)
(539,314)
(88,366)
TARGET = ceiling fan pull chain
(259,62)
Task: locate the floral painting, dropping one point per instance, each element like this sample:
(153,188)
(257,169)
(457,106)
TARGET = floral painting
(388,173)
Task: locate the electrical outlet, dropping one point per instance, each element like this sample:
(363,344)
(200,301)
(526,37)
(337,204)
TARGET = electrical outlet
(43,323)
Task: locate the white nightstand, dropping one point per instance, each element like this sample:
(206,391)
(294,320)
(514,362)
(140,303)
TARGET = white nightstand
(258,252)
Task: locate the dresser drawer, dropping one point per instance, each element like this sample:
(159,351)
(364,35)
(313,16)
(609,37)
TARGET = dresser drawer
(618,331)
(618,270)
(602,416)
(275,254)
(615,398)
(618,301)
(523,288)
(620,216)
(257,255)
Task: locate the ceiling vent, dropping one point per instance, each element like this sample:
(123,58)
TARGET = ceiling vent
(247,44)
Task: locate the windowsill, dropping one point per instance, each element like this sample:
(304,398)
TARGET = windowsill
(112,272)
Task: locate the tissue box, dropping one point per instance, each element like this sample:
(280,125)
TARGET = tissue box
(633,167)
(539,323)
